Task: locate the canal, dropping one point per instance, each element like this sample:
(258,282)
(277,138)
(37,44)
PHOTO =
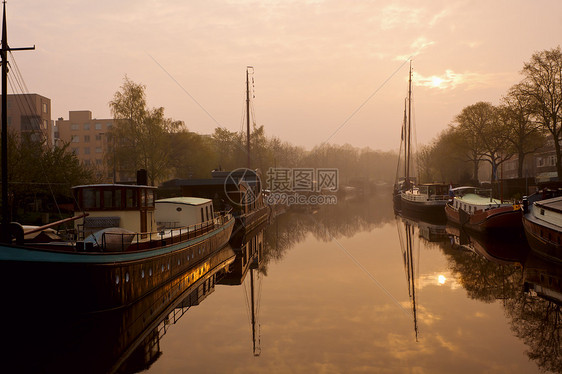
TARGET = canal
(350,288)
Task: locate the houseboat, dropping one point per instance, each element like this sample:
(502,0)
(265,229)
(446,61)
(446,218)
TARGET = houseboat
(542,222)
(476,210)
(127,245)
(426,201)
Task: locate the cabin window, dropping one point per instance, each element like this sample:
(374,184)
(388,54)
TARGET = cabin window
(117,197)
(108,199)
(91,198)
(150,198)
(131,198)
(143,198)
(207,212)
(202,215)
(212,213)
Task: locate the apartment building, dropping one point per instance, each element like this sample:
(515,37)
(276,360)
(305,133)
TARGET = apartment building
(88,138)
(30,115)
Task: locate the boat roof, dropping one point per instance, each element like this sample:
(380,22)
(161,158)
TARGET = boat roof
(114,185)
(554,204)
(184,200)
(462,188)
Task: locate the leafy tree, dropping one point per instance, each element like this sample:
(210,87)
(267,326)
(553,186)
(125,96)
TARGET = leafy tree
(140,136)
(542,88)
(41,177)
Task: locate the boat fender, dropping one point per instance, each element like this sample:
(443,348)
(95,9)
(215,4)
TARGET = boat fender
(525,204)
(16,231)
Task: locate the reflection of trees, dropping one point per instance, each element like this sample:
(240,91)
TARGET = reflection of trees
(482,279)
(535,320)
(344,219)
(538,323)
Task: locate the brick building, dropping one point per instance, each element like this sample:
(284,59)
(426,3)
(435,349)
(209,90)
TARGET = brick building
(88,138)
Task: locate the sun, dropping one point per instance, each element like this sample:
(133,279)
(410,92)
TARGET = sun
(436,81)
(441,279)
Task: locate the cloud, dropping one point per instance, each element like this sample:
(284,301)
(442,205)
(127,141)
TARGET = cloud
(451,80)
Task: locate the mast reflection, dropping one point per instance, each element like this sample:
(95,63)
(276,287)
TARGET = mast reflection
(409,242)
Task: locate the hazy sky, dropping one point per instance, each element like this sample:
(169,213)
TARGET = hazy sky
(316,62)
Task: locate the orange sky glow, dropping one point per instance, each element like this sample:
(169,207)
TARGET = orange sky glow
(319,65)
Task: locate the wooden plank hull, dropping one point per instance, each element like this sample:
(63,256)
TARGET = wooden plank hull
(505,217)
(545,240)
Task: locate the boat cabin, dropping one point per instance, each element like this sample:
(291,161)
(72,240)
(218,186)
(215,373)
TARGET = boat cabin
(130,207)
(178,212)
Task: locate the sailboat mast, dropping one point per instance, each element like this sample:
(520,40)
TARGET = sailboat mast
(5,48)
(253,313)
(248,115)
(4,234)
(409,138)
(404,134)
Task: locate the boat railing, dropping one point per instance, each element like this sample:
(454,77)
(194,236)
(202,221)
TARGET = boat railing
(120,242)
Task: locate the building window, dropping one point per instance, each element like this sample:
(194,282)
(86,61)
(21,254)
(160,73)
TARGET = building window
(86,138)
(86,126)
(75,139)
(98,161)
(87,162)
(74,126)
(98,126)
(87,150)
(98,137)
(551,160)
(44,123)
(98,149)
(109,125)
(75,151)
(44,107)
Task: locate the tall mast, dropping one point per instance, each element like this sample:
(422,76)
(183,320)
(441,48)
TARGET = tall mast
(404,134)
(409,138)
(248,114)
(5,236)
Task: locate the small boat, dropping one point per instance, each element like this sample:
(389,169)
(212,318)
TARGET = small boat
(476,210)
(542,221)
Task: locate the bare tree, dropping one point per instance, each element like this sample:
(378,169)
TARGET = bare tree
(542,87)
(525,135)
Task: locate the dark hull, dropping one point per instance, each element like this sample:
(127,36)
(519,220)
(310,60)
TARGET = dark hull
(544,239)
(428,211)
(104,342)
(504,218)
(248,221)
(85,282)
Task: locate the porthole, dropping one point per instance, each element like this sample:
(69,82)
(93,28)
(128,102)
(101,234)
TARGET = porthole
(178,209)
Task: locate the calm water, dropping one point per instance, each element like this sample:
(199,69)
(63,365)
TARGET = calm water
(347,289)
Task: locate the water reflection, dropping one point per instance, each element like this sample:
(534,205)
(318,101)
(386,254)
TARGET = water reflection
(44,338)
(346,322)
(529,286)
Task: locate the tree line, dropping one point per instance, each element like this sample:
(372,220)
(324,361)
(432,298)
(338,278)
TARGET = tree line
(144,138)
(528,117)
